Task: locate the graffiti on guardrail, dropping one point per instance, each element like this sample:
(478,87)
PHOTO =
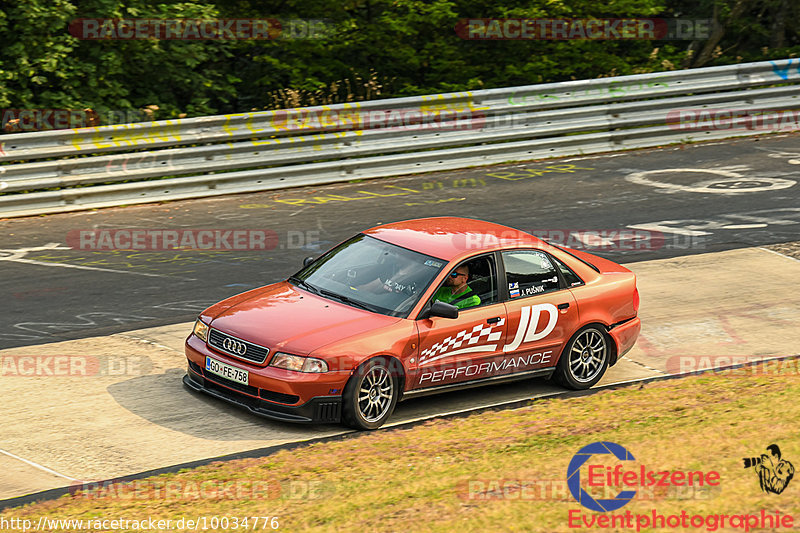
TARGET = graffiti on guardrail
(612,90)
(449,115)
(35,119)
(783,72)
(126,163)
(453,118)
(325,122)
(132,135)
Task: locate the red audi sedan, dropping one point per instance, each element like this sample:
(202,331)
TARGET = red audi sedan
(413,308)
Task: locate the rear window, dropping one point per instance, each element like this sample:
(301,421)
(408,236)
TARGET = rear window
(585,262)
(572,279)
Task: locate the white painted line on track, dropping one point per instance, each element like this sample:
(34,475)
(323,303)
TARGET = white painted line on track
(82,267)
(18,256)
(778,253)
(644,365)
(37,465)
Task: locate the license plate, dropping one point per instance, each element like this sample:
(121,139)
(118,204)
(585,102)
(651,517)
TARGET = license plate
(227,371)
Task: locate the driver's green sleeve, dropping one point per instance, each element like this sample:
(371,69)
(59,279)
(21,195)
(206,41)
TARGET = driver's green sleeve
(445,294)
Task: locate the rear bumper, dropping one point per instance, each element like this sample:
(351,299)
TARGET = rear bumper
(322,409)
(625,336)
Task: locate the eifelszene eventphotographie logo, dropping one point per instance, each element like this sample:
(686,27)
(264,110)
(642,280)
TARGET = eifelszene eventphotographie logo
(626,479)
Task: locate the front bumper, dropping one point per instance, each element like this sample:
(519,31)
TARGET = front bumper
(322,409)
(273,393)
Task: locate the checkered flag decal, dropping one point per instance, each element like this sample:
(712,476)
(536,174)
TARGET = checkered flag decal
(463,338)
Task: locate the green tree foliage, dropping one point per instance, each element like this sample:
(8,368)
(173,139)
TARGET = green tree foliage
(374,49)
(43,66)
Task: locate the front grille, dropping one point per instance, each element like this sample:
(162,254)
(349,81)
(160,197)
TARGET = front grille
(279,396)
(254,352)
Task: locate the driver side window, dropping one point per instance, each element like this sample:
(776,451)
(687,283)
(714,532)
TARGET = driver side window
(473,283)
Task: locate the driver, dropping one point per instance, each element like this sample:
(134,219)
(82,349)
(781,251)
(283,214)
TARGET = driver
(456,291)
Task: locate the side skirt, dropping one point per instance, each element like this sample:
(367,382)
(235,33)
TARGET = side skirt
(539,372)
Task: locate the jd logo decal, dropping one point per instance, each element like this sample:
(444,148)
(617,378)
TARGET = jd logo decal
(528,321)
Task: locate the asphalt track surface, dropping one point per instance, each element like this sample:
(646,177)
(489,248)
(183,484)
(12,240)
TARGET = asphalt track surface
(701,198)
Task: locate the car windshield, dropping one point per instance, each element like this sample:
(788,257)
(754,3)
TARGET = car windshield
(372,274)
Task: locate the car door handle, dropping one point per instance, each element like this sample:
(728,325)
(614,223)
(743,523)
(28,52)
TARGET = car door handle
(494,320)
(563,306)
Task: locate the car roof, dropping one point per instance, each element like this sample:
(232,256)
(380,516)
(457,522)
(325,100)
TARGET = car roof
(450,237)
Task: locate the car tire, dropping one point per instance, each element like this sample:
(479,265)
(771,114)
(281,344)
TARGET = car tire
(585,358)
(370,395)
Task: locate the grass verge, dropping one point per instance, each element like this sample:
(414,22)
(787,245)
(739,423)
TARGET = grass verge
(494,471)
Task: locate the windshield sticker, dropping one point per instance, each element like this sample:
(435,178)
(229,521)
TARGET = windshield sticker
(432,263)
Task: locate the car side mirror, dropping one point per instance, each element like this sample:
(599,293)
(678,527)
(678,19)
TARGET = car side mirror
(444,310)
(307,261)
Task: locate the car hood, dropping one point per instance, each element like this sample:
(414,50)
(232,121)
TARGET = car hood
(285,318)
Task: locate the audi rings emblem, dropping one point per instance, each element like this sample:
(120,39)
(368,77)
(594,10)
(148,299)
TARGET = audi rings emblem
(234,346)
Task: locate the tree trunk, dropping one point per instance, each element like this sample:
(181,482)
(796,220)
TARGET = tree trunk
(718,32)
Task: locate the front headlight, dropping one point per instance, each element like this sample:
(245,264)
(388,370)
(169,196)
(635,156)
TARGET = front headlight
(298,363)
(200,330)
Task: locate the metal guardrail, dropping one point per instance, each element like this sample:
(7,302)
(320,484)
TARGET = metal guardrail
(114,165)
